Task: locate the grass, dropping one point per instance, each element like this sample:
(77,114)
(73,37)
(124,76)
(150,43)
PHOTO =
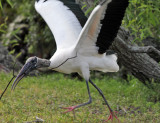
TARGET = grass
(44,95)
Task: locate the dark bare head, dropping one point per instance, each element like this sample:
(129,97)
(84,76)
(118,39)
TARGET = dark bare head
(32,63)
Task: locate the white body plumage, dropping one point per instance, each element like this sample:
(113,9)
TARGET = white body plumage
(76,48)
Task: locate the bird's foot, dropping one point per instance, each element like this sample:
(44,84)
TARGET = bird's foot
(112,115)
(69,109)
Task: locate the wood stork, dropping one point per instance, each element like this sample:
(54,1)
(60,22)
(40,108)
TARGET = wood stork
(79,49)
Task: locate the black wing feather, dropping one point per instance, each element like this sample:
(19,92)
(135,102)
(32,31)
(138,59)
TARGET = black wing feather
(111,23)
(75,8)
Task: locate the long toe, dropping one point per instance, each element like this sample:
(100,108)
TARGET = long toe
(69,109)
(111,116)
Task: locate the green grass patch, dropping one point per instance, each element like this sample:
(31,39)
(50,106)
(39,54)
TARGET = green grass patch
(43,96)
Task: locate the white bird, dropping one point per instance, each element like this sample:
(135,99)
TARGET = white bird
(79,49)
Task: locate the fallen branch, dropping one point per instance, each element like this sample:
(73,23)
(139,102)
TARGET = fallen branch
(137,49)
(135,59)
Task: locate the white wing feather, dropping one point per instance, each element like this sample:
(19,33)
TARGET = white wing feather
(86,44)
(62,22)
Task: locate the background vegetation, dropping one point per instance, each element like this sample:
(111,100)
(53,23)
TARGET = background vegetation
(25,33)
(142,19)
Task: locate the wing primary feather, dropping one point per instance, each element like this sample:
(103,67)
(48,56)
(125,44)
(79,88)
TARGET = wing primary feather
(75,8)
(45,1)
(110,24)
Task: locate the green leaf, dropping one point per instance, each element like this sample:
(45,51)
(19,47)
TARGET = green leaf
(10,3)
(20,53)
(88,10)
(84,6)
(12,51)
(1,5)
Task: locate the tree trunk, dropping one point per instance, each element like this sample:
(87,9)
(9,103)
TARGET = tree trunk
(136,59)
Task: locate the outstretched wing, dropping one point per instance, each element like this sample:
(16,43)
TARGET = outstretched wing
(64,18)
(102,26)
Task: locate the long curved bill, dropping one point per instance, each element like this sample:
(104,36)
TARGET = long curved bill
(16,81)
(23,72)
